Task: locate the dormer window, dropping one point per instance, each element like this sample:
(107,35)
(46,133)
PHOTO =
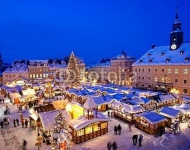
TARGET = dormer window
(181,52)
(150,60)
(140,60)
(167,59)
(186,59)
(162,54)
(149,54)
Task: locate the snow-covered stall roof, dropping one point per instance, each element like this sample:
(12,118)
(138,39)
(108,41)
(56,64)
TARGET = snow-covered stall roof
(186,99)
(90,104)
(169,112)
(115,104)
(99,100)
(153,118)
(82,122)
(185,108)
(119,96)
(76,92)
(109,91)
(135,101)
(132,108)
(166,97)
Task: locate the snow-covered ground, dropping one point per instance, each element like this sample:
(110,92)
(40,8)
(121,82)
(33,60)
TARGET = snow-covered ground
(11,137)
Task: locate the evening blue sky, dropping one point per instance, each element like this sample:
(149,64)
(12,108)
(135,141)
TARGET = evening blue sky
(93,29)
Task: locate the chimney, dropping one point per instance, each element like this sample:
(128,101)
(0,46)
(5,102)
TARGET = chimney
(153,46)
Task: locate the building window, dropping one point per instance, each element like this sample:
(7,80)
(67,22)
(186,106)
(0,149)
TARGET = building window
(143,70)
(44,75)
(135,70)
(139,70)
(30,75)
(162,70)
(185,81)
(139,77)
(149,78)
(185,71)
(176,71)
(33,75)
(169,70)
(156,79)
(185,91)
(148,70)
(142,78)
(36,75)
(163,79)
(176,81)
(156,70)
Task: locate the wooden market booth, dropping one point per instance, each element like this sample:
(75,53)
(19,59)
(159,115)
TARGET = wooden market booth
(150,122)
(126,112)
(171,115)
(88,123)
(185,109)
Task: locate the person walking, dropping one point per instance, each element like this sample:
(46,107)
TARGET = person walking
(140,139)
(24,144)
(115,130)
(114,145)
(130,126)
(119,129)
(8,120)
(135,137)
(109,145)
(22,123)
(1,123)
(14,122)
(108,113)
(26,123)
(17,121)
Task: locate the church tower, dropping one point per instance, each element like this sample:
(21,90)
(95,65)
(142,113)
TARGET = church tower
(176,36)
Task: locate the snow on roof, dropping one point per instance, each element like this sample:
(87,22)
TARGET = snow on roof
(146,100)
(134,101)
(166,97)
(160,55)
(38,61)
(169,112)
(48,118)
(90,104)
(99,100)
(82,122)
(153,118)
(185,108)
(119,96)
(76,92)
(132,108)
(115,104)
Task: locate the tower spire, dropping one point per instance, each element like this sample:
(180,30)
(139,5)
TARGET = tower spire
(176,36)
(176,16)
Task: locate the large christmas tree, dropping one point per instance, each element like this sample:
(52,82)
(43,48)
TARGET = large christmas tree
(73,72)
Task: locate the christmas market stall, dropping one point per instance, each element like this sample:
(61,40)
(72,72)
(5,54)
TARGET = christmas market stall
(100,102)
(34,113)
(171,114)
(125,112)
(185,109)
(89,124)
(150,122)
